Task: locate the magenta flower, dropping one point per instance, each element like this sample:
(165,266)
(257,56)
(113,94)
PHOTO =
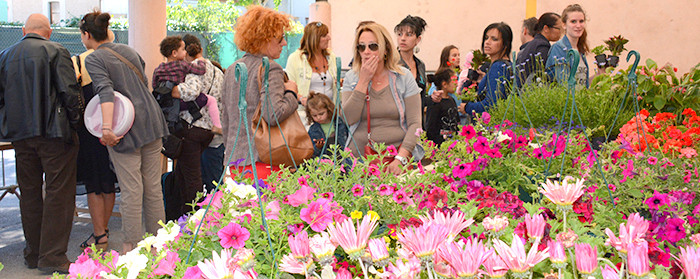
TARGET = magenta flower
(392,150)
(638,259)
(610,273)
(424,240)
(690,261)
(299,246)
(193,272)
(385,190)
(535,225)
(628,171)
(344,273)
(358,190)
(328,195)
(586,257)
(455,222)
(273,210)
(515,257)
(657,200)
(301,196)
(318,214)
(557,255)
(486,117)
(166,266)
(353,241)
(652,160)
(674,230)
(465,258)
(482,145)
(400,196)
(85,267)
(233,236)
(631,232)
(468,132)
(462,170)
(564,194)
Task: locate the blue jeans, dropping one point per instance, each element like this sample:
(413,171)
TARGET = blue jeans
(212,165)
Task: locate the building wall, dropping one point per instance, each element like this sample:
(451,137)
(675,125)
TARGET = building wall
(660,30)
(21,9)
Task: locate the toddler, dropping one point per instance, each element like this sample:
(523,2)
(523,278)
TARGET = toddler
(320,112)
(173,72)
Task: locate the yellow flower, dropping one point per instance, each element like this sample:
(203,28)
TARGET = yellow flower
(356,214)
(373,214)
(387,239)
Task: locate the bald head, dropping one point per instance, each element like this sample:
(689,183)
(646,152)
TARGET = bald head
(38,24)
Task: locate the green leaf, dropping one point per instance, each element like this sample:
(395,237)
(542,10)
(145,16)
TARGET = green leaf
(650,63)
(659,102)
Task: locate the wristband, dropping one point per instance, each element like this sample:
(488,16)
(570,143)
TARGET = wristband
(293,93)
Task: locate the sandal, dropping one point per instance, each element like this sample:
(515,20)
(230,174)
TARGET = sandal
(99,246)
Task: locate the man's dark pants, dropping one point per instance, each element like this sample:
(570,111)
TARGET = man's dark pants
(47,222)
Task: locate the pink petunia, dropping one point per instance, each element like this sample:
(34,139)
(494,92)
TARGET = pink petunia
(468,132)
(318,214)
(328,195)
(233,236)
(657,200)
(400,196)
(301,196)
(358,190)
(85,267)
(385,190)
(652,160)
(215,201)
(273,210)
(193,272)
(166,266)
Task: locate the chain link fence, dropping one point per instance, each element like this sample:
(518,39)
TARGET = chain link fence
(217,46)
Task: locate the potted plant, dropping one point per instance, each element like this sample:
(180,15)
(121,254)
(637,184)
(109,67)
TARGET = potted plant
(600,58)
(479,59)
(616,45)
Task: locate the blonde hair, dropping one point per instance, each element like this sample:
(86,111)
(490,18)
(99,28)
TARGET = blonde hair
(312,36)
(391,55)
(257,27)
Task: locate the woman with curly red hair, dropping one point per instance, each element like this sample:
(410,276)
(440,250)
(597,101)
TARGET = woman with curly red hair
(259,32)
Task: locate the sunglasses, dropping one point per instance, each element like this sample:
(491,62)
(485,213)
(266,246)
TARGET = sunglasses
(372,47)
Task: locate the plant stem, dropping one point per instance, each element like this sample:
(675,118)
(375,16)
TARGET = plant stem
(559,273)
(609,263)
(364,269)
(571,256)
(564,230)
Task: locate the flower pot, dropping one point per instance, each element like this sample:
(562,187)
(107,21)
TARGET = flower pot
(613,60)
(601,60)
(472,75)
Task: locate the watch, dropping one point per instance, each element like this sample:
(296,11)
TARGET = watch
(401,159)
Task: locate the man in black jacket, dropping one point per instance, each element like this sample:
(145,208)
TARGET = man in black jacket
(39,110)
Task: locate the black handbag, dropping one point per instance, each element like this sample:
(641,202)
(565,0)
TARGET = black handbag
(172,146)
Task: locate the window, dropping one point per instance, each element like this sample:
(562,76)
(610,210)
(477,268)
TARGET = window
(54,12)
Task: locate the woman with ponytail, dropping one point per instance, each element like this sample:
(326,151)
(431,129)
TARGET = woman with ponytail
(532,57)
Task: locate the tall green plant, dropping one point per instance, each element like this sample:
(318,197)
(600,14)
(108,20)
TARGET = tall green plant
(206,15)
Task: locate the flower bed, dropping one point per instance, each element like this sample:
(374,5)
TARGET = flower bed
(462,216)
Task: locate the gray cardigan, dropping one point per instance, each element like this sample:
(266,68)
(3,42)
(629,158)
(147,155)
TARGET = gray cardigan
(110,74)
(283,105)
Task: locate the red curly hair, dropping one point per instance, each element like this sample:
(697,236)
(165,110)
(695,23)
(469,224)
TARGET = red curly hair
(257,27)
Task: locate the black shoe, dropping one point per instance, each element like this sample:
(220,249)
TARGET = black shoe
(28,265)
(62,269)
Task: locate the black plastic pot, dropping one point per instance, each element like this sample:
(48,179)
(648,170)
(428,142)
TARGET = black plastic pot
(601,60)
(613,60)
(472,75)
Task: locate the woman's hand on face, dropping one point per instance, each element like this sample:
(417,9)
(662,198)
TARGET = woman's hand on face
(369,67)
(291,85)
(436,96)
(394,167)
(109,138)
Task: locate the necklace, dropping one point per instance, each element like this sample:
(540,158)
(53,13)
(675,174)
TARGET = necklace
(379,78)
(322,71)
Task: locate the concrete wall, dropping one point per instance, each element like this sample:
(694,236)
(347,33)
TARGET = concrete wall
(661,30)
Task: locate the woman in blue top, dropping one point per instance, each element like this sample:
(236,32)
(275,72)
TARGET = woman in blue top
(557,67)
(497,42)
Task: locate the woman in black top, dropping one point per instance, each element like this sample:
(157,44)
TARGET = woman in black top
(532,59)
(442,117)
(408,35)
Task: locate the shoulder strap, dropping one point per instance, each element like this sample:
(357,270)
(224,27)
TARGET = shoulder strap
(128,63)
(80,71)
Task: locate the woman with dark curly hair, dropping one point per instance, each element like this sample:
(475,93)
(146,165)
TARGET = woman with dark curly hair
(408,36)
(260,33)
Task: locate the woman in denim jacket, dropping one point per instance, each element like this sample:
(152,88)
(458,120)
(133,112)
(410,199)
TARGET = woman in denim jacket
(557,67)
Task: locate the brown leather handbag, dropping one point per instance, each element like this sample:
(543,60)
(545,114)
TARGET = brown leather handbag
(270,140)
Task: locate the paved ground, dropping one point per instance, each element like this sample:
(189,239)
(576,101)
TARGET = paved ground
(12,237)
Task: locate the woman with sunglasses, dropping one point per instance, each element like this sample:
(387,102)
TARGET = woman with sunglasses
(533,56)
(377,83)
(260,33)
(312,66)
(408,36)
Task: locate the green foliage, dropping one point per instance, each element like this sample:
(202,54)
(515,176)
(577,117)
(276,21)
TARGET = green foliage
(545,107)
(598,50)
(206,15)
(616,44)
(72,21)
(13,23)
